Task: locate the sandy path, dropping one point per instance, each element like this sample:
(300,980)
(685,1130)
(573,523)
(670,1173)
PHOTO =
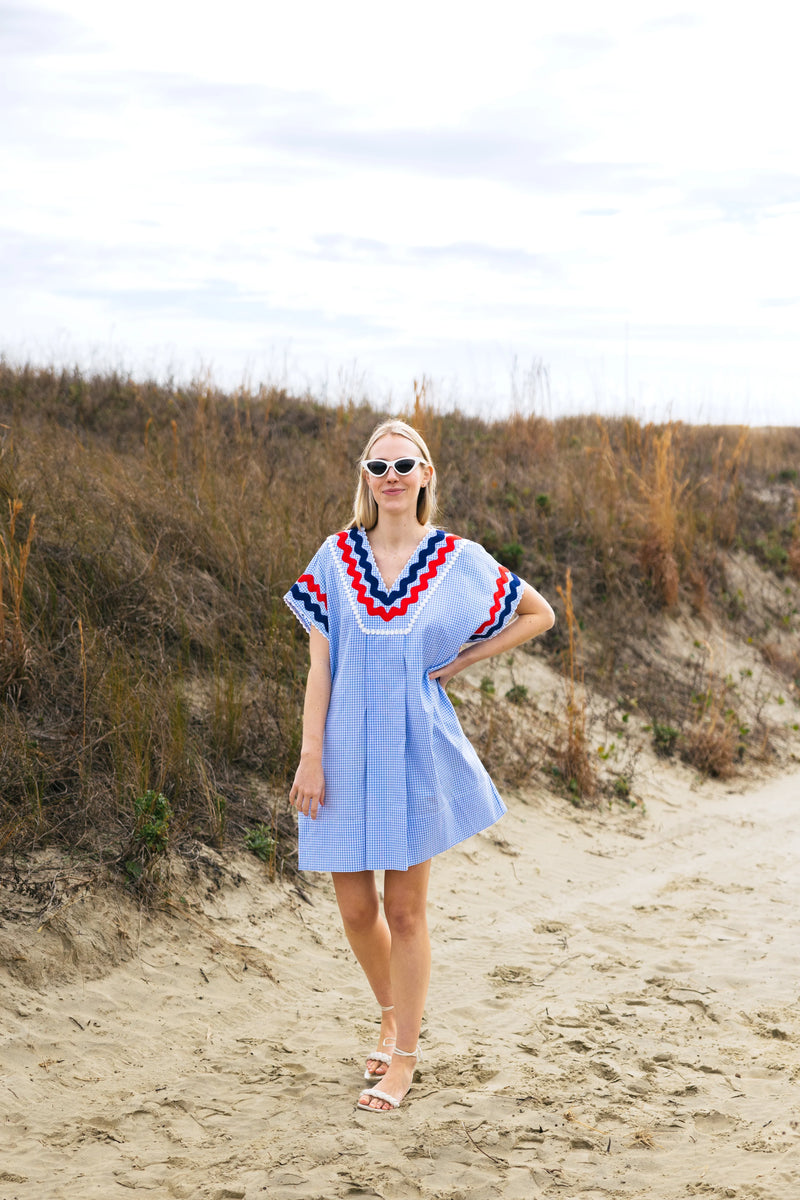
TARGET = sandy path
(614,1013)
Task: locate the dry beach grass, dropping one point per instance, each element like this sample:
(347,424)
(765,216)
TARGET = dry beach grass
(146,652)
(614,1011)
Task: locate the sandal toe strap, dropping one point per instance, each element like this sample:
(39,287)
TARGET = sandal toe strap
(379,1095)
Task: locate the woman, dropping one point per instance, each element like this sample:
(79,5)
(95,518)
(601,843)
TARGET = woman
(395,608)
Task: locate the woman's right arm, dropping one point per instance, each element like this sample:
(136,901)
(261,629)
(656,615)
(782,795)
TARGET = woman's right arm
(308,789)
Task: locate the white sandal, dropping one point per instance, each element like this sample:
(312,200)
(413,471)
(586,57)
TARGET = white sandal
(381,1055)
(379,1095)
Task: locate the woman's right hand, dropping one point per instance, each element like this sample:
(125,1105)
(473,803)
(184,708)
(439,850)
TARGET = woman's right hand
(308,790)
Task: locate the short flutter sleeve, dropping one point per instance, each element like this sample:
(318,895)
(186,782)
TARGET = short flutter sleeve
(308,598)
(500,591)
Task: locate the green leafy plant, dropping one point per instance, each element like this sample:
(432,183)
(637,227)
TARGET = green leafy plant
(665,738)
(153,815)
(261,842)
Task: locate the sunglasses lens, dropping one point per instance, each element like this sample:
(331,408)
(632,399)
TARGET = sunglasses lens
(404,466)
(377,466)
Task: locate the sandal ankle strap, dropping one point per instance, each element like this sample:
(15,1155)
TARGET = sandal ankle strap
(408,1053)
(387,1007)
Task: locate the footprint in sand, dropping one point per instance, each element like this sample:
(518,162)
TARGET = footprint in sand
(714,1122)
(508,974)
(465,1069)
(551,927)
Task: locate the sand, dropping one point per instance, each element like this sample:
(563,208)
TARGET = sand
(614,1013)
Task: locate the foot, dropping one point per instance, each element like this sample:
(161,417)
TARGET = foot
(376,1068)
(396,1082)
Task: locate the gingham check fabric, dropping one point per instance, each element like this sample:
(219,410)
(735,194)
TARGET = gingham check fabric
(402,782)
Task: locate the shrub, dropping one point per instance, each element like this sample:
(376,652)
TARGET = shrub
(711,743)
(665,738)
(153,815)
(622,788)
(261,842)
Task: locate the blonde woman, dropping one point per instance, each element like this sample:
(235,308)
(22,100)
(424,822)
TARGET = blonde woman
(395,608)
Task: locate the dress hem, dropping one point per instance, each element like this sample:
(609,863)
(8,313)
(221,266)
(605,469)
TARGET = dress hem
(416,863)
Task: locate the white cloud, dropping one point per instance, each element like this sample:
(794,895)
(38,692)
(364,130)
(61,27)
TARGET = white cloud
(415,194)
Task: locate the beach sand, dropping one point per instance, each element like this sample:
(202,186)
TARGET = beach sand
(614,1013)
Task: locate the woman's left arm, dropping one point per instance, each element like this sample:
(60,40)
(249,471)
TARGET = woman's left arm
(533,616)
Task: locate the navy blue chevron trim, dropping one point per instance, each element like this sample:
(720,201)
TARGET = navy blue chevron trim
(426,552)
(514,585)
(316,610)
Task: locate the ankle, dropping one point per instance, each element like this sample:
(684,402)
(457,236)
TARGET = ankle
(407,1053)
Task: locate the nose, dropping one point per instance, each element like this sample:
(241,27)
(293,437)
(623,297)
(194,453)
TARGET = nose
(392,475)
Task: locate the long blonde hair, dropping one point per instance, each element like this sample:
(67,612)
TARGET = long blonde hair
(365,510)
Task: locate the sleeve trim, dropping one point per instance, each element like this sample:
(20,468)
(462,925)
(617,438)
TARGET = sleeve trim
(507,595)
(310,609)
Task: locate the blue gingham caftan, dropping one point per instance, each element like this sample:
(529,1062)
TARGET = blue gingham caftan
(402,782)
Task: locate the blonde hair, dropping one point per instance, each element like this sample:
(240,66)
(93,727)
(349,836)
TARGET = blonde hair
(365,510)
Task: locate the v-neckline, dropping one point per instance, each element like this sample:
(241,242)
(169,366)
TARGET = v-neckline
(403,570)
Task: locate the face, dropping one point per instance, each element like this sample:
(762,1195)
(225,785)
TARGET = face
(395,493)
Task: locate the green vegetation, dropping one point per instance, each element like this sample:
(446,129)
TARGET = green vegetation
(148,533)
(153,815)
(665,738)
(261,842)
(622,788)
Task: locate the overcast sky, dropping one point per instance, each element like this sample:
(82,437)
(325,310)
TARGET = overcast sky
(346,196)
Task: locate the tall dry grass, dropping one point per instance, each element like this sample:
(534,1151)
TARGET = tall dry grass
(144,642)
(149,648)
(572,751)
(14,554)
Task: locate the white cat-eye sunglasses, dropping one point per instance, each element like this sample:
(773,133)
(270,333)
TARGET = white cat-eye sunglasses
(378,467)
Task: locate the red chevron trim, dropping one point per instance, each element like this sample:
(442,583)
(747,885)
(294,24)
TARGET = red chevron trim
(502,580)
(401,608)
(315,589)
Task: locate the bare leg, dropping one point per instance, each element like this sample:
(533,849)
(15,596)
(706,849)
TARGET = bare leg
(405,904)
(371,942)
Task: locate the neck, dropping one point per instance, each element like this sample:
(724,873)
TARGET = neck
(396,530)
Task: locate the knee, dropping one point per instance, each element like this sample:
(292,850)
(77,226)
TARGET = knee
(360,914)
(405,921)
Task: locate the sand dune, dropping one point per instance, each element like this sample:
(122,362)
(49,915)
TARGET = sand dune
(614,1013)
